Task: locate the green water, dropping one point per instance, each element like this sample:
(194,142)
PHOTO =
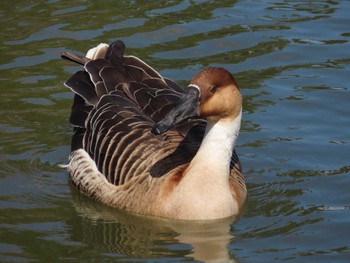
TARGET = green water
(292,62)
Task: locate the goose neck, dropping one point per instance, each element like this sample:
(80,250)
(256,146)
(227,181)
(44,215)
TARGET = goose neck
(219,141)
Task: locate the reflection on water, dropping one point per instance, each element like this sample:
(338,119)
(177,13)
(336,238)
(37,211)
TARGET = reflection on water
(147,237)
(292,62)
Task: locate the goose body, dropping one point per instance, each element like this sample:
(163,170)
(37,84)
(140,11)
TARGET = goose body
(143,144)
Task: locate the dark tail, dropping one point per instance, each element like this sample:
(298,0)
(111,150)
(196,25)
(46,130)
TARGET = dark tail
(75,58)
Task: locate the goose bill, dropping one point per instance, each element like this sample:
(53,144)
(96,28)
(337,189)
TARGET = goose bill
(187,107)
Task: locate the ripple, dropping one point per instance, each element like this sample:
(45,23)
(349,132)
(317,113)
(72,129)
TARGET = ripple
(45,55)
(291,60)
(333,208)
(68,10)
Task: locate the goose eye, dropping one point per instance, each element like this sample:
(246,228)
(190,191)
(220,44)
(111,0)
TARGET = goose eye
(213,89)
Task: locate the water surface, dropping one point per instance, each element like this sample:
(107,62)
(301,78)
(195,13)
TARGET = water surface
(292,62)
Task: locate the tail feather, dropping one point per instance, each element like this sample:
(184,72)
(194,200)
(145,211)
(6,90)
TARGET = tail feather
(75,58)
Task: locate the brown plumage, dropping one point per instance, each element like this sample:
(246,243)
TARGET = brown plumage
(129,149)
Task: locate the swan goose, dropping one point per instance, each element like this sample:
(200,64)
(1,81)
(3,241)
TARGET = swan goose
(144,145)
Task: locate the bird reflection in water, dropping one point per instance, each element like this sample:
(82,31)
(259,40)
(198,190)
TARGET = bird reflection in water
(125,235)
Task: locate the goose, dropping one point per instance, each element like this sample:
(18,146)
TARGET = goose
(143,144)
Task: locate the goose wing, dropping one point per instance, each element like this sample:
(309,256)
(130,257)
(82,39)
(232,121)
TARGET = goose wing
(117,101)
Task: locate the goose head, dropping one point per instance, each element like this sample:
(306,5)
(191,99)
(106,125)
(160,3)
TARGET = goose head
(213,94)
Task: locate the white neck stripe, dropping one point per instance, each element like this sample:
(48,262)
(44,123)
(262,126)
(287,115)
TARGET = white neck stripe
(194,86)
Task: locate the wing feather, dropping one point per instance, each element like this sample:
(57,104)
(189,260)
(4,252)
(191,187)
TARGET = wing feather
(80,84)
(132,60)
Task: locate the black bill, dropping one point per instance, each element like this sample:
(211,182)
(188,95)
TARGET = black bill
(185,109)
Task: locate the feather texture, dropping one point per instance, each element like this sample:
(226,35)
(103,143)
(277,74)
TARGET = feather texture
(117,101)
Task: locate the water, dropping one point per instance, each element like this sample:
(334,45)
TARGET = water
(292,61)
